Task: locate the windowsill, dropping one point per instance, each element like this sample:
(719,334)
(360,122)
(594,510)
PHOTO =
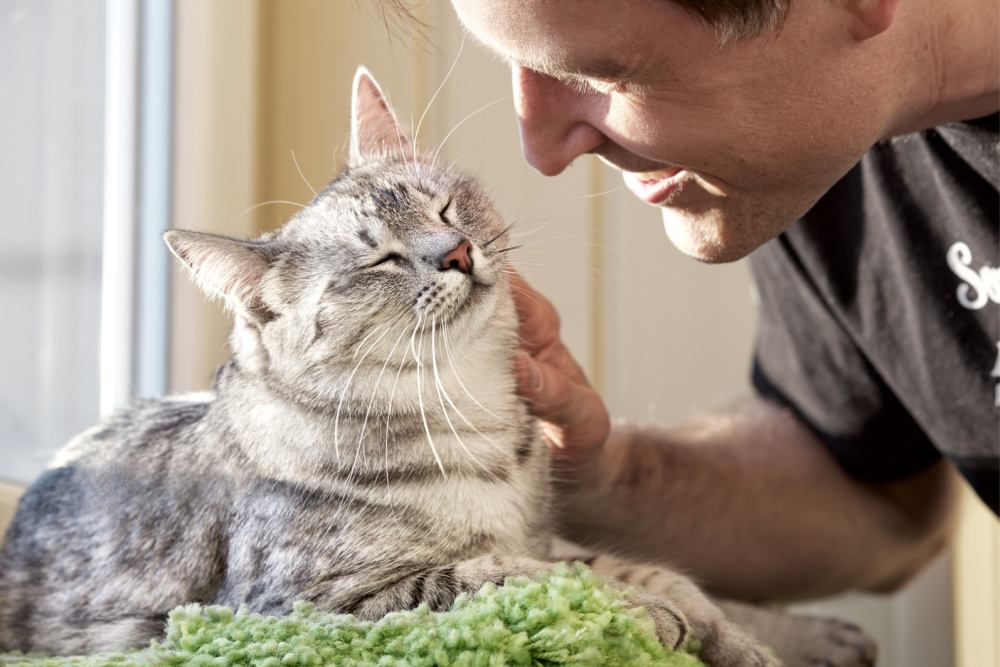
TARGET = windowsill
(9,494)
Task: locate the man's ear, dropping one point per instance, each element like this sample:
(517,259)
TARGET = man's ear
(374,129)
(869,18)
(226,268)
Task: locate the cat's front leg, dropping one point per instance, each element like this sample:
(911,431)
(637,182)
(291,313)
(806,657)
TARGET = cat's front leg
(438,585)
(801,640)
(724,644)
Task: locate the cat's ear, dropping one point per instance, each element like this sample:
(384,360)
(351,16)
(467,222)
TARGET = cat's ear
(375,132)
(226,268)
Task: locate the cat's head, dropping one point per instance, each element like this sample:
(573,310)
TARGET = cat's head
(394,248)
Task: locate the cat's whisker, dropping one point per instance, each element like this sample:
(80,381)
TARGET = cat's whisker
(364,424)
(458,377)
(420,400)
(357,348)
(525,244)
(545,223)
(269,203)
(444,393)
(598,277)
(548,201)
(399,139)
(451,165)
(521,290)
(388,417)
(462,122)
(507,249)
(413,350)
(413,161)
(303,176)
(598,273)
(392,323)
(444,411)
(461,353)
(542,202)
(577,239)
(347,386)
(592,195)
(416,133)
(503,231)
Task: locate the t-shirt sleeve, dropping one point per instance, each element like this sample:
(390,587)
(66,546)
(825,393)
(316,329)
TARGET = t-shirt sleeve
(808,362)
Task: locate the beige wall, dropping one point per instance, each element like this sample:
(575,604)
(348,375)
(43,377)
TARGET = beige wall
(309,51)
(216,128)
(977,585)
(662,335)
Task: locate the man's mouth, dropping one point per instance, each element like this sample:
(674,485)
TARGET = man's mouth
(654,187)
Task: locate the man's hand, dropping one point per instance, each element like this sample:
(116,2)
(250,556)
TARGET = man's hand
(574,419)
(750,481)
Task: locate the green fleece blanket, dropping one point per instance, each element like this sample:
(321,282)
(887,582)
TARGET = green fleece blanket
(567,616)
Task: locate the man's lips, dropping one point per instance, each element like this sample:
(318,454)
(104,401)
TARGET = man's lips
(654,187)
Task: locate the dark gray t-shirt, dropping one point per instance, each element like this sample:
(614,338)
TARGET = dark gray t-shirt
(880,310)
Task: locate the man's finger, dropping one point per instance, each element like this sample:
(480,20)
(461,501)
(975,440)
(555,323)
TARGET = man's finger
(538,317)
(558,356)
(552,396)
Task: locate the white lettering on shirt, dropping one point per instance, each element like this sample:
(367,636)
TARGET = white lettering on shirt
(995,373)
(984,285)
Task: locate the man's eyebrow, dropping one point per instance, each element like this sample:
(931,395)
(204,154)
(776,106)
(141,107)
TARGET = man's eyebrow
(603,68)
(598,68)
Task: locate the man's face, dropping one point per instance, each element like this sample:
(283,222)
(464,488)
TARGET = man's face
(733,144)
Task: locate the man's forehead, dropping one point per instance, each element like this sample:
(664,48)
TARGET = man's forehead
(584,37)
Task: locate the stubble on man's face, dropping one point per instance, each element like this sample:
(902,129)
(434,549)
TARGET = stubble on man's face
(762,128)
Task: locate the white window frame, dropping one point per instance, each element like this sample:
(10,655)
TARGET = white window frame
(137,200)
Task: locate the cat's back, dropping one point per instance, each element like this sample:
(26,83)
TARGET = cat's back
(149,458)
(144,491)
(143,430)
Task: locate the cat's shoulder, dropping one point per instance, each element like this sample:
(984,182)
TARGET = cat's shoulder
(142,425)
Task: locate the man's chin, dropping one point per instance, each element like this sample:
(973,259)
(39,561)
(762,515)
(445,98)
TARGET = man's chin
(708,237)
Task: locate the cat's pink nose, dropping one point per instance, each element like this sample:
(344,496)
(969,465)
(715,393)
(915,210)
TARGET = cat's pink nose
(459,257)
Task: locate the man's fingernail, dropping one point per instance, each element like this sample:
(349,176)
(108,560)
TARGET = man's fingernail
(536,374)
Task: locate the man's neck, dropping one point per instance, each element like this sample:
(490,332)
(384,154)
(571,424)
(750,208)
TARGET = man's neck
(952,63)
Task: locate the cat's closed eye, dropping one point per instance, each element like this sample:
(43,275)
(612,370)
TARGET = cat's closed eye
(390,258)
(443,213)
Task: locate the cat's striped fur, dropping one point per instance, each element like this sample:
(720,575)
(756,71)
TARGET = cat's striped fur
(364,448)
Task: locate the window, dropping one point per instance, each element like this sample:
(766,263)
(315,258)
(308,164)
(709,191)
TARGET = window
(84,175)
(51,179)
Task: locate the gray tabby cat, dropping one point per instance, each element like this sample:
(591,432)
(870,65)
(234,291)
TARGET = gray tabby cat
(363,449)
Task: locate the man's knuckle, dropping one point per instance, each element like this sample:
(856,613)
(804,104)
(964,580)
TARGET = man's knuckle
(553,316)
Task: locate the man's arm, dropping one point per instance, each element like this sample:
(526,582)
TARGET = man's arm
(748,502)
(754,507)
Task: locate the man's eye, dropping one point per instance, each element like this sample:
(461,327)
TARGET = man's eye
(392,257)
(584,85)
(577,84)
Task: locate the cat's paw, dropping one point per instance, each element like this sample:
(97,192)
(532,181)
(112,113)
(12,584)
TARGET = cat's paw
(828,642)
(803,640)
(724,645)
(731,646)
(672,628)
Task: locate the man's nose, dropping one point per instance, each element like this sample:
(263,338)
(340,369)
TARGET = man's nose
(553,121)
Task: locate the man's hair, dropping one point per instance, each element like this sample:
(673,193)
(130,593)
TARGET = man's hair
(733,20)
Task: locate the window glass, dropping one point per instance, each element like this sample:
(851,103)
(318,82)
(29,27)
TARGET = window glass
(51,124)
